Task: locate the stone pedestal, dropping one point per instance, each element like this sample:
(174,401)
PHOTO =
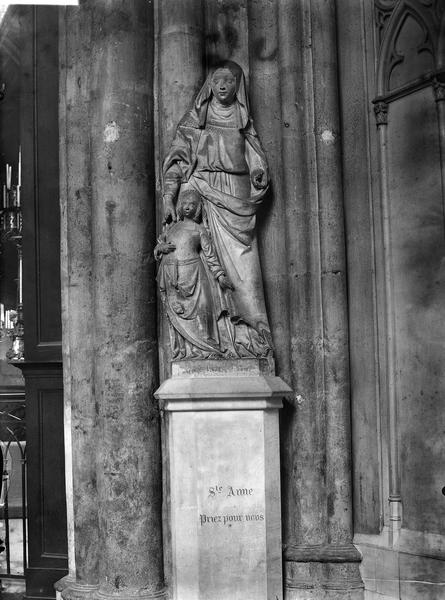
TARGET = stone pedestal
(224,479)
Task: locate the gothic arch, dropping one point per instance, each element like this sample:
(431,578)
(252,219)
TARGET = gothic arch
(414,14)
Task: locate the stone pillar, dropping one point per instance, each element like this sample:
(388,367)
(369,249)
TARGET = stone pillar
(227,33)
(60,585)
(264,92)
(123,235)
(302,419)
(180,74)
(181,62)
(110,305)
(395,498)
(77,304)
(321,560)
(439,94)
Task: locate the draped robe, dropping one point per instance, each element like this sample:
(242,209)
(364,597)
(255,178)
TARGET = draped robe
(184,279)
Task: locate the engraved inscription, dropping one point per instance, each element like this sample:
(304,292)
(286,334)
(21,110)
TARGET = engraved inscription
(229,491)
(228,519)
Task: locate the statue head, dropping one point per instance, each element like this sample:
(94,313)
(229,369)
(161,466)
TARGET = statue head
(225,80)
(189,205)
(223,85)
(227,84)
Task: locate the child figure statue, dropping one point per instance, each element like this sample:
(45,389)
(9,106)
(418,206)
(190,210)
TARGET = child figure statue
(188,264)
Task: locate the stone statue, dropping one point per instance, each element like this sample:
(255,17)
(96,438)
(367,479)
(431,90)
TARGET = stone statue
(217,153)
(187,264)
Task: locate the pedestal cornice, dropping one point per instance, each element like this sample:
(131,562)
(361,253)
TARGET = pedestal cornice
(222,385)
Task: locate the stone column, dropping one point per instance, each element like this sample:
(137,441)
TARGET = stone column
(123,235)
(77,304)
(439,95)
(321,560)
(395,498)
(180,74)
(302,431)
(181,62)
(107,183)
(227,33)
(264,92)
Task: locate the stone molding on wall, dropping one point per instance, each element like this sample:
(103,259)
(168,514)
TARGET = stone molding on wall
(429,21)
(395,499)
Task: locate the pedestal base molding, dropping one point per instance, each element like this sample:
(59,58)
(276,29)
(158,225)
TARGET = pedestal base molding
(323,581)
(76,590)
(62,584)
(69,589)
(322,553)
(130,594)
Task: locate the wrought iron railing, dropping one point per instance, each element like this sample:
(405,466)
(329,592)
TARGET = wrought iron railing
(13,518)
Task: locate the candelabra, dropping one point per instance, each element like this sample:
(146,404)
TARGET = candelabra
(11,231)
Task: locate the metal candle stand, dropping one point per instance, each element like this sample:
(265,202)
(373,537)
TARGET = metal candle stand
(11,230)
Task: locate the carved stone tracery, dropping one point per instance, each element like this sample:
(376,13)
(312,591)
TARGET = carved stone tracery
(408,38)
(383,10)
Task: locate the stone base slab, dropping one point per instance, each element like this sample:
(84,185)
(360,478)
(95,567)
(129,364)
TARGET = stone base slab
(79,591)
(129,593)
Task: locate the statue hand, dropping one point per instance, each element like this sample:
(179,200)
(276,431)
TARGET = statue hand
(225,283)
(259,179)
(169,210)
(167,247)
(164,248)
